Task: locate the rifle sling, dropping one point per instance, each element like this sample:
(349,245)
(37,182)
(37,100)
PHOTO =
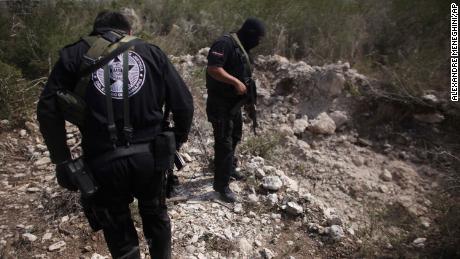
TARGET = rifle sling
(235,38)
(108,99)
(109,57)
(127,128)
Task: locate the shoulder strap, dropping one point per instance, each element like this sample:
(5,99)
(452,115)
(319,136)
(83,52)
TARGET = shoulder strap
(127,127)
(111,127)
(245,54)
(100,53)
(108,99)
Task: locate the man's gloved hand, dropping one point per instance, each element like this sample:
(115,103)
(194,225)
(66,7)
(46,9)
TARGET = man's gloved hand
(63,177)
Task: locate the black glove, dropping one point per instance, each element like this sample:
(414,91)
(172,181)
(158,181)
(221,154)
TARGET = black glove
(63,177)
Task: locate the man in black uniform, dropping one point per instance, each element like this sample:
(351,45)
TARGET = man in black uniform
(152,82)
(228,67)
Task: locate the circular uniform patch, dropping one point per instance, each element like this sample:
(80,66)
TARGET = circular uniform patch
(136,75)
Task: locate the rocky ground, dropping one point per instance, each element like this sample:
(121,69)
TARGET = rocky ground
(316,188)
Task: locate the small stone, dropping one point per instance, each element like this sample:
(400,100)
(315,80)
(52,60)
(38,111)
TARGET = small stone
(259,173)
(275,216)
(65,219)
(194,239)
(386,175)
(33,189)
(303,145)
(22,133)
(294,208)
(71,141)
(300,125)
(425,223)
(253,198)
(47,236)
(267,253)
(419,242)
(431,98)
(339,117)
(259,160)
(272,183)
(269,169)
(313,227)
(322,124)
(238,208)
(334,220)
(42,161)
(383,188)
(4,123)
(244,246)
(98,256)
(336,232)
(272,198)
(190,249)
(187,157)
(31,127)
(87,249)
(56,246)
(364,142)
(29,237)
(357,160)
(41,147)
(19,175)
(228,233)
(351,231)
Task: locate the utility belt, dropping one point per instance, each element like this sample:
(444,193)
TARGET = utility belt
(162,148)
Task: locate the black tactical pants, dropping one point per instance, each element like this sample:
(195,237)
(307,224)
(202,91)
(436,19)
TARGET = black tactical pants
(119,182)
(227,134)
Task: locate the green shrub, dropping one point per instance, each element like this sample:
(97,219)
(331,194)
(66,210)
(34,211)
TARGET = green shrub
(402,42)
(17,96)
(263,145)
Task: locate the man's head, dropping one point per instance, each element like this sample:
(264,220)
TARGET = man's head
(111,20)
(251,32)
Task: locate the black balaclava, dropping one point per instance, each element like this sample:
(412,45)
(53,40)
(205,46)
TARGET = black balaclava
(251,32)
(111,21)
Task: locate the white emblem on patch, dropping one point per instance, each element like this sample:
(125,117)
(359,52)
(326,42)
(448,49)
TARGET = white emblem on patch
(136,75)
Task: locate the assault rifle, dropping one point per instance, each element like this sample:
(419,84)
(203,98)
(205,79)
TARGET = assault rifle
(249,101)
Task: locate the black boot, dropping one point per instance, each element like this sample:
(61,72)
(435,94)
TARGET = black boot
(227,195)
(237,176)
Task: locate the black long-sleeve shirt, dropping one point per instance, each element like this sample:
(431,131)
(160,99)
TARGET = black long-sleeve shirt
(153,82)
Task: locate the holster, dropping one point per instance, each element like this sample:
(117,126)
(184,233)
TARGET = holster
(72,106)
(80,174)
